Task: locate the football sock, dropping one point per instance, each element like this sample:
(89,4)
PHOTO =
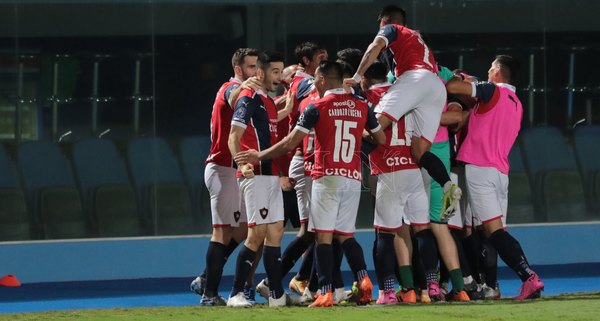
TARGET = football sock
(435,168)
(272,262)
(473,250)
(458,284)
(215,260)
(406,277)
(489,261)
(324,267)
(385,259)
(428,252)
(307,263)
(511,253)
(462,257)
(417,263)
(355,257)
(336,271)
(229,249)
(243,267)
(291,254)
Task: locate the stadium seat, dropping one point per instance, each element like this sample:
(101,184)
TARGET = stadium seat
(193,151)
(520,204)
(587,150)
(108,196)
(558,188)
(51,191)
(164,197)
(14,220)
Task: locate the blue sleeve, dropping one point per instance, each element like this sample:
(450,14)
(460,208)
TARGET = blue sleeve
(304,88)
(372,122)
(389,32)
(244,109)
(228,91)
(484,90)
(308,118)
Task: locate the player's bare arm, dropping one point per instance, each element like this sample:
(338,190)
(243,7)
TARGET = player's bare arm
(285,145)
(250,83)
(453,116)
(289,104)
(384,121)
(458,86)
(368,59)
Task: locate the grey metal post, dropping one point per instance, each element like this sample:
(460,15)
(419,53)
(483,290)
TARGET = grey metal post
(55,101)
(95,98)
(531,96)
(136,97)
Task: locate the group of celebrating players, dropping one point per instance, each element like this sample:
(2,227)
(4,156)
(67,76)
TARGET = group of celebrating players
(311,143)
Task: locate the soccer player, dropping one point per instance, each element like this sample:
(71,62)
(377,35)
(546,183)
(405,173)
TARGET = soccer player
(228,222)
(339,120)
(493,127)
(309,55)
(417,90)
(254,126)
(399,194)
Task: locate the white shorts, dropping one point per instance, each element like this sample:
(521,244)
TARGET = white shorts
(421,92)
(263,199)
(487,193)
(303,186)
(224,196)
(334,205)
(400,195)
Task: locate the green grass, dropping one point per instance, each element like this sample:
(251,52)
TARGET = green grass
(582,306)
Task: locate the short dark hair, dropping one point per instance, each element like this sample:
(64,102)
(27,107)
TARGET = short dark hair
(351,56)
(331,70)
(240,54)
(510,68)
(392,14)
(378,70)
(265,59)
(306,49)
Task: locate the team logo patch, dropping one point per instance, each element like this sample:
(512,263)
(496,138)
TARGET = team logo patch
(263,213)
(236,216)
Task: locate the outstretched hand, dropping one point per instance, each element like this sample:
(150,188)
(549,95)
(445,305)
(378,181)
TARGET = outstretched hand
(246,156)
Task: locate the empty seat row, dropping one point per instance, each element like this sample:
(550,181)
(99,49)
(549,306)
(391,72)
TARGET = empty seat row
(98,193)
(553,180)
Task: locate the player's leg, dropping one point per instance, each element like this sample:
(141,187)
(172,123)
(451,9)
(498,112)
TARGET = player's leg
(404,251)
(345,225)
(487,190)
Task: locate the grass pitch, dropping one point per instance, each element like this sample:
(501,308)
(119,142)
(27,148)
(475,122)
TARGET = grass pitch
(580,306)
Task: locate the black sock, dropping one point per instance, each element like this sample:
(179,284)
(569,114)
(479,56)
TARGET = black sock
(379,279)
(489,261)
(228,250)
(291,254)
(435,168)
(355,258)
(215,260)
(386,259)
(336,271)
(313,280)
(243,267)
(462,257)
(511,253)
(473,250)
(324,266)
(307,263)
(272,262)
(418,269)
(428,251)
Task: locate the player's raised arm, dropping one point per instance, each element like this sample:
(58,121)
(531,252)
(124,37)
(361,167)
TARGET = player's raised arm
(367,60)
(289,104)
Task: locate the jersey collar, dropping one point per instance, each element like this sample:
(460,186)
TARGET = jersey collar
(262,93)
(507,86)
(335,91)
(233,79)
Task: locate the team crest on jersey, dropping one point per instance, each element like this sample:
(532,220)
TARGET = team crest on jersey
(236,216)
(263,213)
